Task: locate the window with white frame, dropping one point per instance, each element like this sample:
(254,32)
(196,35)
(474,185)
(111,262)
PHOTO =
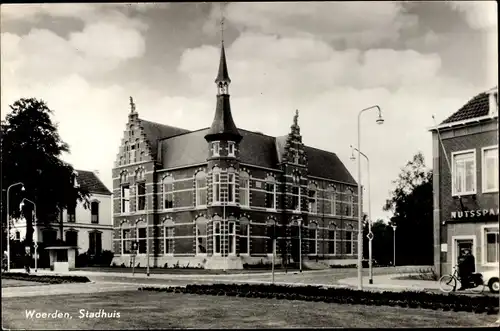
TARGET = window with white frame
(142,238)
(71,212)
(215,149)
(244,189)
(349,240)
(332,232)
(270,192)
(216,233)
(349,196)
(94,212)
(313,198)
(168,192)
(141,195)
(313,238)
(491,245)
(464,172)
(201,188)
(126,240)
(168,237)
(332,195)
(230,148)
(232,237)
(201,235)
(231,186)
(296,193)
(125,198)
(490,169)
(216,181)
(244,237)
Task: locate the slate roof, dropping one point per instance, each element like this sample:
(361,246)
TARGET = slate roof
(476,107)
(89,181)
(255,148)
(156,131)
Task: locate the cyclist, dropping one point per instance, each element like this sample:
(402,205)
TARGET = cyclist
(466,267)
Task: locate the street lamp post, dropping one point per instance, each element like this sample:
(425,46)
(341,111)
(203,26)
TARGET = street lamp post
(394,245)
(380,120)
(35,231)
(300,245)
(8,222)
(370,233)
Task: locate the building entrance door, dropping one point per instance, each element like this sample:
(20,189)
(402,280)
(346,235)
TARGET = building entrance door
(459,245)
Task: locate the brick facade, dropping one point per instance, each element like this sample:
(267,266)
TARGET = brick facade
(462,218)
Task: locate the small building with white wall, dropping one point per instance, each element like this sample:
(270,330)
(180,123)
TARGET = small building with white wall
(90,229)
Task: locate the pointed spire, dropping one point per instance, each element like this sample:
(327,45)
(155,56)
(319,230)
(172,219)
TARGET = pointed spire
(223,75)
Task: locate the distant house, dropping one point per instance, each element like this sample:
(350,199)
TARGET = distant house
(465,154)
(214,197)
(88,229)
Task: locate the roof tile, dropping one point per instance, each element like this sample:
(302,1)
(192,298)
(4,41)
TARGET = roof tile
(89,181)
(476,107)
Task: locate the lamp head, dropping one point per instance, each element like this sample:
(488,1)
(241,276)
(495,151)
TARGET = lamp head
(352,158)
(380,120)
(22,188)
(21,205)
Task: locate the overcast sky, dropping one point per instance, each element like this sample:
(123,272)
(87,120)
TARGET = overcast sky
(329,60)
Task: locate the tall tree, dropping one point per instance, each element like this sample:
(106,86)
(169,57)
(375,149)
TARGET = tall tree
(411,204)
(31,151)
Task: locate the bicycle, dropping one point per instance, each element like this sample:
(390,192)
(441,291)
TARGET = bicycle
(448,283)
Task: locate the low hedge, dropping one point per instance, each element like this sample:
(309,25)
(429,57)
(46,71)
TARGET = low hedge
(45,278)
(410,299)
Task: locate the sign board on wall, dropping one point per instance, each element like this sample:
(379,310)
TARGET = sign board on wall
(444,248)
(474,213)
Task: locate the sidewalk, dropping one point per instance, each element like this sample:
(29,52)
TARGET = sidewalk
(388,282)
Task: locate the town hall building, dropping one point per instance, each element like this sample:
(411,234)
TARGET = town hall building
(216,197)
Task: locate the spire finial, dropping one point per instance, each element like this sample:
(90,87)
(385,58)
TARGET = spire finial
(132,105)
(222,5)
(296,117)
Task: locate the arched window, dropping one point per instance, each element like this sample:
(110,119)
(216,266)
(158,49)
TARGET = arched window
(168,237)
(94,212)
(332,195)
(217,231)
(244,189)
(296,192)
(95,242)
(216,182)
(201,188)
(350,202)
(123,177)
(126,149)
(201,235)
(141,189)
(270,231)
(270,192)
(313,238)
(244,236)
(168,192)
(349,240)
(313,198)
(18,235)
(231,186)
(231,234)
(126,238)
(142,235)
(332,232)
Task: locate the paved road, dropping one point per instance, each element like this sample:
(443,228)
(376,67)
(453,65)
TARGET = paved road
(106,282)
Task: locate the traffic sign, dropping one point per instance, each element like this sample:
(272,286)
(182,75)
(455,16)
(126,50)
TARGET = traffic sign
(370,236)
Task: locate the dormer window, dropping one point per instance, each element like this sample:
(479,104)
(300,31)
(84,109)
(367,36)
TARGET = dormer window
(230,148)
(215,148)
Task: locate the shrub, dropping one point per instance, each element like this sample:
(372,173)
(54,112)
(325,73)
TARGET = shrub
(51,279)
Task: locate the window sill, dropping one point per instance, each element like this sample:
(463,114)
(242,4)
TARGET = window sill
(456,195)
(491,191)
(296,212)
(490,264)
(201,207)
(244,207)
(271,209)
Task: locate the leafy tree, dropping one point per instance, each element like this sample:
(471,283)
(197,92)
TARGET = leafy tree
(31,151)
(411,204)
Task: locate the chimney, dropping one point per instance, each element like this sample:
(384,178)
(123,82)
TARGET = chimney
(493,101)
